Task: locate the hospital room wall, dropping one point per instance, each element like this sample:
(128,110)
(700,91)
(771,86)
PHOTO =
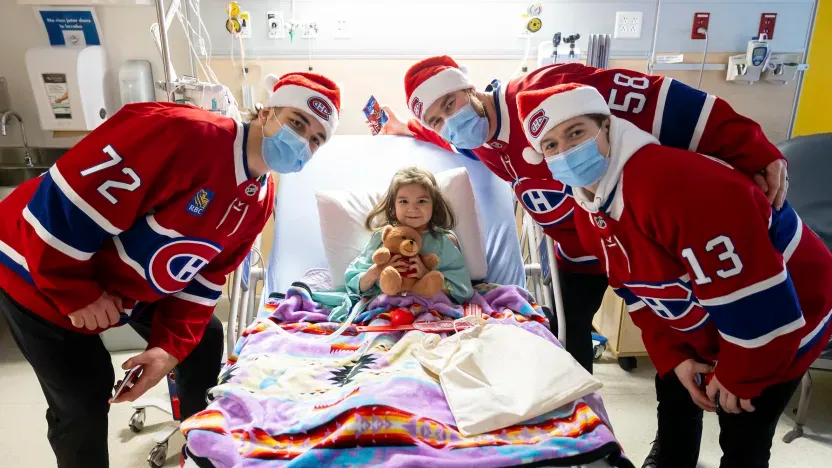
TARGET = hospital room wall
(125,36)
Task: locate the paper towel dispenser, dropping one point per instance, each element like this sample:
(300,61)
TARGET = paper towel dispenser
(69,86)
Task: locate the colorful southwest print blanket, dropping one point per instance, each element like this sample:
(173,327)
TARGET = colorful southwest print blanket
(287,397)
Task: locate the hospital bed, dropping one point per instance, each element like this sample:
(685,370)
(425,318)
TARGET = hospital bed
(368,163)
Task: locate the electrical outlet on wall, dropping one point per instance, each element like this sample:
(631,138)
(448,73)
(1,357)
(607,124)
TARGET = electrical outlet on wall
(342,29)
(628,24)
(310,30)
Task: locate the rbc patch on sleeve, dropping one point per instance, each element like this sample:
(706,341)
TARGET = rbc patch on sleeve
(199,203)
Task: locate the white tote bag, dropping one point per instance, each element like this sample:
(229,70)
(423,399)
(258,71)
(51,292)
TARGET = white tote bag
(496,375)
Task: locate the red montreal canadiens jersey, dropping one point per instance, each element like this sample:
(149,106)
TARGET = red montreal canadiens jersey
(155,206)
(709,271)
(676,114)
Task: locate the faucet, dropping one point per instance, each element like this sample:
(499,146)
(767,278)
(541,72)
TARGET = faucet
(4,119)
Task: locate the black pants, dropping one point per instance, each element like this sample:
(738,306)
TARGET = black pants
(76,374)
(582,296)
(745,438)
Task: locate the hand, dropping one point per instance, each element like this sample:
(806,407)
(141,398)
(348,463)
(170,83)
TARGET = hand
(727,401)
(417,264)
(103,313)
(399,263)
(394,125)
(156,364)
(686,372)
(774,181)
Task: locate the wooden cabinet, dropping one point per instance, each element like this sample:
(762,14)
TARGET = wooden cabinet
(614,322)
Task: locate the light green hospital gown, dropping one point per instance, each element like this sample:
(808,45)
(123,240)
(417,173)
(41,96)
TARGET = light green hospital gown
(451,265)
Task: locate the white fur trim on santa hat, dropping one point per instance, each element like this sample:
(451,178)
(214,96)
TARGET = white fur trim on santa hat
(532,157)
(559,108)
(440,84)
(309,101)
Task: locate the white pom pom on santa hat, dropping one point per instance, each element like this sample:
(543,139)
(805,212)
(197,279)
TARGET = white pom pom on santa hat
(531,156)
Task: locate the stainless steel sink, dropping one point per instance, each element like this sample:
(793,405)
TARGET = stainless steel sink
(40,156)
(14,176)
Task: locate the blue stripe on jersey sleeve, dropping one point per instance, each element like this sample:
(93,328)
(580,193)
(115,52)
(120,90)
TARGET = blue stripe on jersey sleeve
(680,115)
(141,241)
(756,319)
(61,218)
(784,225)
(627,295)
(16,267)
(198,289)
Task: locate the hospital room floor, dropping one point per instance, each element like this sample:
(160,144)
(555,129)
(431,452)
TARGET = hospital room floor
(629,398)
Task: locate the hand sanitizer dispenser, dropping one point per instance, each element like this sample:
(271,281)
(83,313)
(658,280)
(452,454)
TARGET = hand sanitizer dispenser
(68,84)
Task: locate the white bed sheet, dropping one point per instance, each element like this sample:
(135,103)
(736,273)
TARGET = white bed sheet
(351,162)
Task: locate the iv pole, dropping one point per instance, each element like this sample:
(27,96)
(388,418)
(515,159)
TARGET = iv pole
(163,39)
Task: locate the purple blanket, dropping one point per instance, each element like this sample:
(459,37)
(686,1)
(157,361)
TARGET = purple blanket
(294,395)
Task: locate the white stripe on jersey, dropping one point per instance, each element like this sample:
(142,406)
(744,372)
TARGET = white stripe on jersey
(636,306)
(588,258)
(239,169)
(201,280)
(14,255)
(196,299)
(746,291)
(787,254)
(702,122)
(768,337)
(53,241)
(122,254)
(659,115)
(151,221)
(692,327)
(79,202)
(812,334)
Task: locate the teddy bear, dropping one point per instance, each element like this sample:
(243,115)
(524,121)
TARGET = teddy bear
(407,242)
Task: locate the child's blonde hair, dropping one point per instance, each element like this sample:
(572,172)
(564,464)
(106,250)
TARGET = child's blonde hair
(385,212)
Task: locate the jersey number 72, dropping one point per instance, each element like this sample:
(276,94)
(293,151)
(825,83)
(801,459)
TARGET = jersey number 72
(107,185)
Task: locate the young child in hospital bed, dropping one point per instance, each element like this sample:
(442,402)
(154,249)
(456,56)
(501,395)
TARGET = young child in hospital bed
(414,200)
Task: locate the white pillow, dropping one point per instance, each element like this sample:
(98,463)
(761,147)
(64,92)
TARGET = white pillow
(342,214)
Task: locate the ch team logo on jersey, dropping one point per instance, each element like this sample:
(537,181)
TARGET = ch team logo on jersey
(537,122)
(548,201)
(200,202)
(416,107)
(320,107)
(672,301)
(177,262)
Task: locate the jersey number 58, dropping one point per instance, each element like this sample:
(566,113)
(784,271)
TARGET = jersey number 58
(107,185)
(631,98)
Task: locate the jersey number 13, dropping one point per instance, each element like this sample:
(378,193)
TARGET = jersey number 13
(727,255)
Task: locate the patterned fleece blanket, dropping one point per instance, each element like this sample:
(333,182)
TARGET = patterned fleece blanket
(362,399)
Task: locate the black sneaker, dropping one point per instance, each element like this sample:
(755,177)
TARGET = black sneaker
(652,460)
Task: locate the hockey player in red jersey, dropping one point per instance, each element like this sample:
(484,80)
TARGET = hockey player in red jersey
(718,281)
(484,125)
(139,223)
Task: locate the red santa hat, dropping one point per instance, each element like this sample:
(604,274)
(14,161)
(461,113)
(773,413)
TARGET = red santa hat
(430,79)
(309,92)
(544,109)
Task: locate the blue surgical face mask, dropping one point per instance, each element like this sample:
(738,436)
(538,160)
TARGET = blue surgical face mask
(286,151)
(579,166)
(465,128)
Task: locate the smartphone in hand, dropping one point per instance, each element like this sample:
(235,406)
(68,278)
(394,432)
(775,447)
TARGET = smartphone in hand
(127,382)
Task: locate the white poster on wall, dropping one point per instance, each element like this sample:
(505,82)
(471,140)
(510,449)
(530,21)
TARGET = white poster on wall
(70,26)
